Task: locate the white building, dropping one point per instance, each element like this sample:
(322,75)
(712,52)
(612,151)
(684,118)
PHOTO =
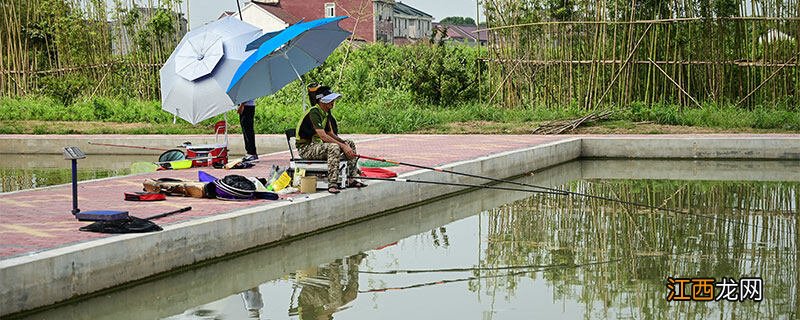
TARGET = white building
(264,14)
(410,22)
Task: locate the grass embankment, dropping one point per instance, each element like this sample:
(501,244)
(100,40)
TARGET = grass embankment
(386,112)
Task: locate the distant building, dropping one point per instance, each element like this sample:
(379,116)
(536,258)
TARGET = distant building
(462,34)
(265,14)
(122,42)
(411,23)
(369,20)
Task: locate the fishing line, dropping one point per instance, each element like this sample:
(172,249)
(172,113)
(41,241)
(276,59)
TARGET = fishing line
(459,173)
(458,184)
(411,271)
(517,273)
(552,191)
(433,283)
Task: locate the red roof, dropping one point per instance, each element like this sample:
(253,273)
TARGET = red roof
(276,10)
(463,32)
(482,36)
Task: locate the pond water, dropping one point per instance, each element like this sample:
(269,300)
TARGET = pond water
(28,171)
(492,254)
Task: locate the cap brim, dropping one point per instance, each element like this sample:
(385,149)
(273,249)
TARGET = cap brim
(330,97)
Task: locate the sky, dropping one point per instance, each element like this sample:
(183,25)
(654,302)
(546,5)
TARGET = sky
(203,11)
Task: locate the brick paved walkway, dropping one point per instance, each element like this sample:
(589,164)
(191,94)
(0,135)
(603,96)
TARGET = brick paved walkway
(39,220)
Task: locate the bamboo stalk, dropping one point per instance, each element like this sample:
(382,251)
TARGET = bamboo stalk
(627,60)
(677,85)
(765,81)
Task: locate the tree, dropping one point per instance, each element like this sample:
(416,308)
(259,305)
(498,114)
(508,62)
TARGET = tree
(458,21)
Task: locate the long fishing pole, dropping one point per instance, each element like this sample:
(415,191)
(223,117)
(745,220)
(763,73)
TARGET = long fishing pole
(459,185)
(126,146)
(459,173)
(558,191)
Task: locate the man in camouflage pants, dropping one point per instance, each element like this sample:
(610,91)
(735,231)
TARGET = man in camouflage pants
(318,139)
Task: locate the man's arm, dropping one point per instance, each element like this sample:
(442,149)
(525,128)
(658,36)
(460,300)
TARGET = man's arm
(335,136)
(325,137)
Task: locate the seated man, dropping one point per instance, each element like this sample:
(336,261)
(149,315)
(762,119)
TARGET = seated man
(318,139)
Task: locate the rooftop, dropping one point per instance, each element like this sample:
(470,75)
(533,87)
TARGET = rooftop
(404,9)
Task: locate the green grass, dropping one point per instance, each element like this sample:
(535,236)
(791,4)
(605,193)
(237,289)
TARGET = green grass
(386,111)
(726,116)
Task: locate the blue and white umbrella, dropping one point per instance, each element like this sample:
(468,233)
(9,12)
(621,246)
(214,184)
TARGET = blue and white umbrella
(284,56)
(195,78)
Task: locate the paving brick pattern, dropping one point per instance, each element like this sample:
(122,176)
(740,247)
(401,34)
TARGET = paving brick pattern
(39,220)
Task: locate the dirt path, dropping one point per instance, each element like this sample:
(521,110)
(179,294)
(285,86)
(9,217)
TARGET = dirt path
(611,127)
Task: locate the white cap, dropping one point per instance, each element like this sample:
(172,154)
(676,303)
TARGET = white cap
(330,97)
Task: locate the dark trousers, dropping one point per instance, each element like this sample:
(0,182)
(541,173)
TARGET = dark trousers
(246,119)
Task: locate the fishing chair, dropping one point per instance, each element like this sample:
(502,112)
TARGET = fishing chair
(316,167)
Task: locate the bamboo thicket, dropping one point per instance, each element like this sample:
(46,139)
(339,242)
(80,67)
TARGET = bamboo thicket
(599,53)
(71,48)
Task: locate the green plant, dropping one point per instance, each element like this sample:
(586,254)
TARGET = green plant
(65,89)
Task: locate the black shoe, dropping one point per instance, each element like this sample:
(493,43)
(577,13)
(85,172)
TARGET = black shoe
(250,157)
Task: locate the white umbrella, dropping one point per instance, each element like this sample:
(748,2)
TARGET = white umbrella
(197,74)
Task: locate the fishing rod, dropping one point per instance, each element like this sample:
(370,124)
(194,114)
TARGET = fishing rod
(184,209)
(557,191)
(461,173)
(459,185)
(127,146)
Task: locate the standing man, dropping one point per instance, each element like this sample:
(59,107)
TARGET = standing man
(318,139)
(247,114)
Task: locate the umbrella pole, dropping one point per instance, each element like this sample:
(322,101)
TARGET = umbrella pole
(303,84)
(240,10)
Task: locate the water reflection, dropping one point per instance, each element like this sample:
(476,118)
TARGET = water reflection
(616,257)
(22,179)
(253,302)
(326,289)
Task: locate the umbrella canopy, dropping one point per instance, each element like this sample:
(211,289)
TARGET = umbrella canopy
(196,75)
(284,56)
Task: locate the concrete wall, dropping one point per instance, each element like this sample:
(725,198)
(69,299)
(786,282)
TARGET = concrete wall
(692,147)
(717,170)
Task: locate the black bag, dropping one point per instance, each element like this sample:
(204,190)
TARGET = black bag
(129,225)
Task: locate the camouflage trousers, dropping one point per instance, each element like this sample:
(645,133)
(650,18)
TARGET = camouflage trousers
(332,153)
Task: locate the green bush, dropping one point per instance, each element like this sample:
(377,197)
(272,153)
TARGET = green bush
(440,75)
(65,89)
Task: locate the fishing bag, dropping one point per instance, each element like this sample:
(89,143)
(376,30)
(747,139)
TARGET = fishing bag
(128,225)
(234,187)
(177,187)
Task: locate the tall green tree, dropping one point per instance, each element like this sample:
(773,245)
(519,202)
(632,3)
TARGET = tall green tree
(458,21)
